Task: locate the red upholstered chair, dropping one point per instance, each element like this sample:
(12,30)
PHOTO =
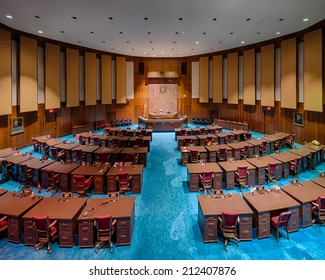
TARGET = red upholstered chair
(208,141)
(241,176)
(3,224)
(229,138)
(247,136)
(82,184)
(36,145)
(312,160)
(206,179)
(194,155)
(229,227)
(55,154)
(270,171)
(27,175)
(53,178)
(77,155)
(105,227)
(281,222)
(318,210)
(8,169)
(289,141)
(244,152)
(294,166)
(46,232)
(222,154)
(102,157)
(143,132)
(124,182)
(263,148)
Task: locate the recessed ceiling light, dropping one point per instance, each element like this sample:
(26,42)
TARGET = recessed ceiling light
(144,52)
(37,16)
(280,19)
(214,19)
(152,49)
(197,42)
(153,55)
(278,33)
(176,32)
(132,49)
(145,18)
(151,42)
(110,18)
(174,42)
(162,53)
(258,33)
(79,41)
(62,31)
(92,32)
(173,49)
(192,49)
(128,42)
(180,52)
(305,19)
(112,49)
(243,42)
(149,32)
(74,17)
(220,42)
(248,19)
(204,33)
(40,31)
(9,16)
(180,18)
(231,33)
(104,42)
(121,32)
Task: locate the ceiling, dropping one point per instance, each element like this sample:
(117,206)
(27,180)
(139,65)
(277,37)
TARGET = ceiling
(164,28)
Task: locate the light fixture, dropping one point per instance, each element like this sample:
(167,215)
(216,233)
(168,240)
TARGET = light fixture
(40,31)
(278,33)
(9,16)
(305,19)
(197,42)
(243,42)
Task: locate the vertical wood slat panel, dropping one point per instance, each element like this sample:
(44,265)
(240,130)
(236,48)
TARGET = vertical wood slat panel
(28,89)
(106,79)
(217,79)
(52,76)
(72,77)
(90,79)
(120,80)
(289,74)
(204,79)
(249,77)
(313,72)
(267,75)
(5,73)
(232,81)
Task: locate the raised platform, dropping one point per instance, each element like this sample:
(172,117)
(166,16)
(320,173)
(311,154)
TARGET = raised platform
(163,116)
(163,125)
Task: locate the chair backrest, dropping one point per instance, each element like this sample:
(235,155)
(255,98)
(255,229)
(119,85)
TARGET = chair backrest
(207,176)
(103,227)
(139,141)
(50,174)
(248,136)
(42,225)
(123,177)
(242,171)
(79,180)
(272,167)
(143,132)
(194,155)
(284,219)
(54,151)
(222,153)
(229,223)
(321,202)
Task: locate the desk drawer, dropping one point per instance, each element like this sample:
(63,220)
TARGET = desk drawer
(123,224)
(65,225)
(85,226)
(123,237)
(86,241)
(264,218)
(217,180)
(263,230)
(66,238)
(246,219)
(245,231)
(210,232)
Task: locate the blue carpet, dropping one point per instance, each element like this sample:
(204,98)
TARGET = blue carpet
(166,226)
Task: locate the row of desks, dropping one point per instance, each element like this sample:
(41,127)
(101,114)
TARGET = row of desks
(256,209)
(224,172)
(104,174)
(75,217)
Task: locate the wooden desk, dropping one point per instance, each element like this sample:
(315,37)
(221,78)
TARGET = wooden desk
(7,152)
(261,164)
(98,173)
(15,207)
(64,169)
(142,151)
(186,153)
(193,171)
(283,136)
(214,149)
(213,129)
(2,191)
(65,212)
(136,182)
(122,140)
(285,158)
(223,123)
(80,128)
(122,209)
(149,131)
(271,140)
(203,138)
(320,181)
(236,147)
(178,132)
(113,153)
(306,193)
(231,167)
(269,204)
(239,134)
(304,152)
(222,136)
(319,149)
(181,140)
(15,160)
(256,143)
(210,208)
(146,141)
(36,164)
(88,151)
(66,147)
(238,126)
